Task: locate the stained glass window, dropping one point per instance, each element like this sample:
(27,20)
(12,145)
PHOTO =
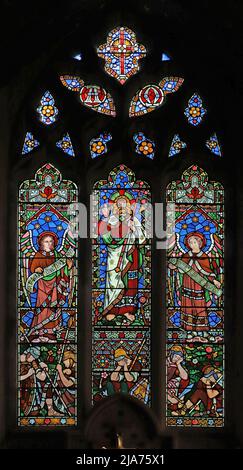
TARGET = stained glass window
(47,110)
(121,53)
(176,146)
(195,110)
(30,143)
(77,56)
(213,145)
(165,57)
(195,304)
(145,146)
(65,145)
(98,145)
(121,287)
(47,301)
(121,262)
(150,97)
(93,96)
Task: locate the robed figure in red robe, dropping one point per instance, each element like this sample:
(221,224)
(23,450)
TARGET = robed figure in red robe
(194,298)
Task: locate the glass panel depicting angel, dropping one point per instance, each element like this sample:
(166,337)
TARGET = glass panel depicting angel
(195,321)
(47,301)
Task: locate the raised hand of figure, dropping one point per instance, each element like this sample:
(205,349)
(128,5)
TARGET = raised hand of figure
(39,270)
(217,283)
(131,225)
(59,367)
(172,266)
(69,263)
(126,363)
(105,211)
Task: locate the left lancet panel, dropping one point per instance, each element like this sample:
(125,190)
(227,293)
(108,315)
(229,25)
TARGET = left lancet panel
(47,301)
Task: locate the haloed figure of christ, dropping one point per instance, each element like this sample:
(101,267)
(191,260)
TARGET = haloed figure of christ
(124,236)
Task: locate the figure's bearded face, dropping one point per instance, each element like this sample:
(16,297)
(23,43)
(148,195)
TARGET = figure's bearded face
(122,208)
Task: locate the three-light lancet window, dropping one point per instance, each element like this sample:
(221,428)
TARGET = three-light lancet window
(121,297)
(122,285)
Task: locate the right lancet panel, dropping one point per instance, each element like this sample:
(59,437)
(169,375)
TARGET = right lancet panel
(194,298)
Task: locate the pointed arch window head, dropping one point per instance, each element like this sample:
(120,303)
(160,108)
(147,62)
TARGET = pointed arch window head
(121,287)
(78,56)
(47,301)
(195,304)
